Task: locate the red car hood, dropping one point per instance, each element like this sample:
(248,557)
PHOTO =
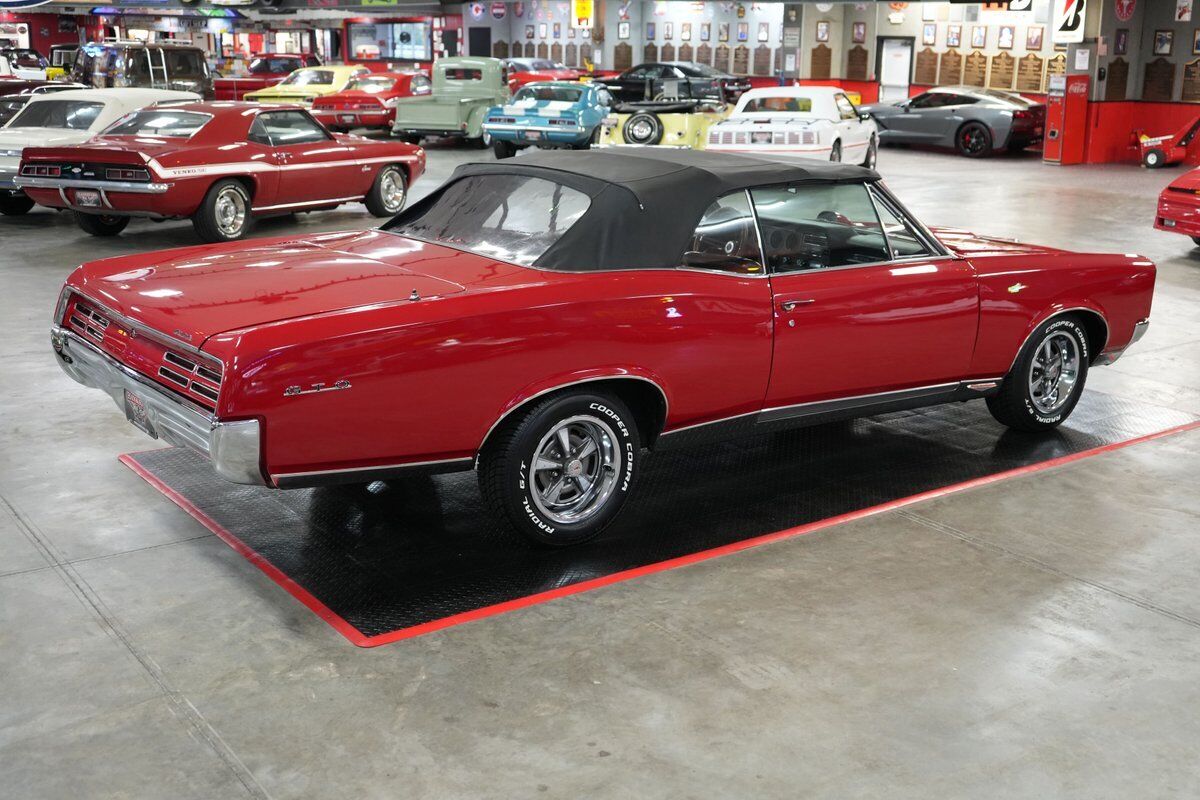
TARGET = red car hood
(195,292)
(1188,182)
(967,244)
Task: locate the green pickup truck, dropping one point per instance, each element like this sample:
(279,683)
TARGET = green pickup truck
(464,88)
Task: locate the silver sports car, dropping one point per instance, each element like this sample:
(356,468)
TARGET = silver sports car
(974,121)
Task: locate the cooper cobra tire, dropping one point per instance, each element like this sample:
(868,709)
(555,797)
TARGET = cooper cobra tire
(15,206)
(388,193)
(503,149)
(643,128)
(1154,158)
(973,140)
(100,224)
(559,490)
(1057,355)
(224,215)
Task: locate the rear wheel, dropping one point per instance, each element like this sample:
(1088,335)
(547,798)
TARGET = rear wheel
(974,140)
(1047,380)
(561,472)
(503,149)
(224,215)
(388,193)
(872,154)
(14,206)
(835,152)
(101,224)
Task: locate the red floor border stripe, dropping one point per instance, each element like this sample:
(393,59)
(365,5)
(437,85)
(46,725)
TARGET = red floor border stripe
(354,636)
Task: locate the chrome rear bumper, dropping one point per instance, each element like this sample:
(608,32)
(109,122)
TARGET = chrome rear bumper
(233,447)
(1109,356)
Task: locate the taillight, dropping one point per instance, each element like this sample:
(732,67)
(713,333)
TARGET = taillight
(41,171)
(114,174)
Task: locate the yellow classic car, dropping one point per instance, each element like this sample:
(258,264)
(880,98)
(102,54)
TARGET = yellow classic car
(662,123)
(304,85)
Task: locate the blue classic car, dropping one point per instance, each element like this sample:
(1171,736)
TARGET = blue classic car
(548,114)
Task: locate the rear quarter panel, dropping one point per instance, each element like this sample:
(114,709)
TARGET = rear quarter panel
(1018,293)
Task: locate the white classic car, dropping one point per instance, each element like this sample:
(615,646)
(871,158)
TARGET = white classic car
(63,118)
(812,122)
(10,70)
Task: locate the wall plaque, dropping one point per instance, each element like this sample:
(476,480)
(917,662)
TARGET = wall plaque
(856,63)
(762,60)
(1057,65)
(556,52)
(704,54)
(1117,85)
(822,63)
(518,50)
(1029,73)
(622,55)
(650,52)
(668,52)
(585,54)
(926,70)
(741,60)
(685,52)
(1000,74)
(1191,81)
(975,69)
(778,60)
(950,71)
(722,57)
(543,50)
(500,49)
(1159,83)
(573,55)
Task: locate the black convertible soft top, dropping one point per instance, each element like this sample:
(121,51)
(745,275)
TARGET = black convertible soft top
(645,202)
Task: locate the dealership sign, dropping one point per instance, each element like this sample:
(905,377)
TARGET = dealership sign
(1068,21)
(22,3)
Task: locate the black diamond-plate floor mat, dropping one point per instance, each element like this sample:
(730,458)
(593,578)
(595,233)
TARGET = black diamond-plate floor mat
(392,560)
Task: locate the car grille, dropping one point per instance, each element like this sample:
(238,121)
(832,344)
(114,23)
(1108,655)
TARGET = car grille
(187,374)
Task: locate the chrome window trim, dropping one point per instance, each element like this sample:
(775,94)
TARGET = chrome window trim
(903,213)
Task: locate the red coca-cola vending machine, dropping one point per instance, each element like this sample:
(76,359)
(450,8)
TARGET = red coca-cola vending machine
(1066,119)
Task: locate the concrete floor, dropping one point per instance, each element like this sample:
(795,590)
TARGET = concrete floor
(1039,637)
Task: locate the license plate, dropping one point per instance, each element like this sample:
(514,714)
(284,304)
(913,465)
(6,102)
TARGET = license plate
(87,198)
(347,118)
(533,134)
(135,412)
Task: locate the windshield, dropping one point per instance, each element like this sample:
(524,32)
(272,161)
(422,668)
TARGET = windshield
(1009,97)
(373,85)
(273,66)
(26,59)
(543,64)
(512,218)
(559,94)
(160,122)
(309,77)
(795,105)
(76,115)
(9,106)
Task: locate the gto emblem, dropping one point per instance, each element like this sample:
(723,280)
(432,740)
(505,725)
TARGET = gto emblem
(187,337)
(292,391)
(1016,288)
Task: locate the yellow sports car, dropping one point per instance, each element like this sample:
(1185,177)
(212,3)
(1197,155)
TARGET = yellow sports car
(308,83)
(665,123)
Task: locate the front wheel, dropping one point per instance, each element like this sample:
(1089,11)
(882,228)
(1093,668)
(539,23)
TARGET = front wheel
(561,472)
(224,215)
(1153,158)
(503,149)
(388,192)
(101,224)
(15,205)
(1047,380)
(974,140)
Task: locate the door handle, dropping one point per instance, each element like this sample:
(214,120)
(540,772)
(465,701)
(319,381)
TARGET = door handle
(789,306)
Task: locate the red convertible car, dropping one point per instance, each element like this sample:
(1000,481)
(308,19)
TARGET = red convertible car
(370,101)
(544,319)
(220,165)
(239,76)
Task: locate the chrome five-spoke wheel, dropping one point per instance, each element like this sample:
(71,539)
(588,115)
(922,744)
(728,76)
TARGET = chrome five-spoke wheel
(392,190)
(1053,372)
(230,211)
(575,468)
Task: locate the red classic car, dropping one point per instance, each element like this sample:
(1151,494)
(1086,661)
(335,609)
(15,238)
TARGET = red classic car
(237,76)
(544,319)
(219,164)
(521,71)
(1179,206)
(370,101)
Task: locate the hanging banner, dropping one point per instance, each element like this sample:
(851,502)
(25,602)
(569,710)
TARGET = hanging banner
(582,13)
(1068,21)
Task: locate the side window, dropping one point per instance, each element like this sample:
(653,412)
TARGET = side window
(845,107)
(258,132)
(900,234)
(725,238)
(420,85)
(961,100)
(929,100)
(291,127)
(817,226)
